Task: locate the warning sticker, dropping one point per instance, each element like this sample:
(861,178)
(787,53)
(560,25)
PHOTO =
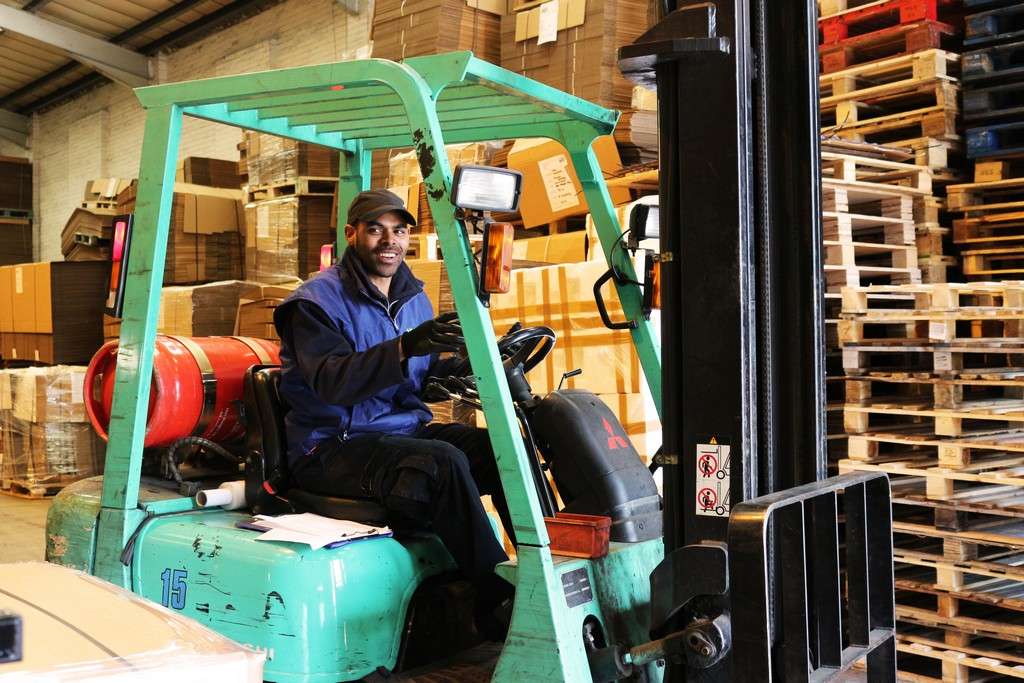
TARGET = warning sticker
(713,479)
(558,182)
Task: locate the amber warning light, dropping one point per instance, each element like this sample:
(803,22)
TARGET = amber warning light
(119,264)
(496,275)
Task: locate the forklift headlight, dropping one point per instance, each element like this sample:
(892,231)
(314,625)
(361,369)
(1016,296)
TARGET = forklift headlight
(486,188)
(643,224)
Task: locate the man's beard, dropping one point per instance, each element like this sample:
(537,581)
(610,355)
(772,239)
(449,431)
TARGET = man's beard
(379,267)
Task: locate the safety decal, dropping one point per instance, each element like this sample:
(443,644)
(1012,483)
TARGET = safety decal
(713,479)
(576,586)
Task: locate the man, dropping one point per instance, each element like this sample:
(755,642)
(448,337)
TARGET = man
(357,342)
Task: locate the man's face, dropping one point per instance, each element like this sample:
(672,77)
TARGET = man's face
(380,244)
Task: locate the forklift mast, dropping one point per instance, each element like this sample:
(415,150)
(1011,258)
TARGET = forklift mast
(743,377)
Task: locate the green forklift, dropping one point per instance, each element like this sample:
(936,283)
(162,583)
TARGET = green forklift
(387,608)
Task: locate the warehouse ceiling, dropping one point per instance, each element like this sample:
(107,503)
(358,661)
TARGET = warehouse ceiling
(51,50)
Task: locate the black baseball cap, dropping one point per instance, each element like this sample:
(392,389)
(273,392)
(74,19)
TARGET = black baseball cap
(372,204)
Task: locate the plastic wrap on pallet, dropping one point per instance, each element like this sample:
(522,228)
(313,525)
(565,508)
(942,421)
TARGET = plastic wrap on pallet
(152,643)
(272,159)
(45,436)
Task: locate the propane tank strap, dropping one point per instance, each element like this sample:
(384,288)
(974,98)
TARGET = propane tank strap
(209,382)
(260,352)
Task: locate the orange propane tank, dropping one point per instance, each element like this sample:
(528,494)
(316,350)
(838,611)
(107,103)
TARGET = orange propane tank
(196,387)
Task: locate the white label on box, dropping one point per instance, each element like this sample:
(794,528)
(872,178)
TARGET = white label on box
(14,352)
(558,183)
(37,355)
(713,479)
(18,287)
(547,29)
(78,387)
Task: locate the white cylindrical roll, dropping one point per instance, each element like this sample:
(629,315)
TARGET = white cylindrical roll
(230,496)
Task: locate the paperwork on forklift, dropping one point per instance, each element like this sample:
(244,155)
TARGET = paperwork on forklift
(313,530)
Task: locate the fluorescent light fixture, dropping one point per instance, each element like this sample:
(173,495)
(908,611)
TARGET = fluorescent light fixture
(486,188)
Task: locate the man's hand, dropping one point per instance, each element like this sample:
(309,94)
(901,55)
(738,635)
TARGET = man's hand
(443,333)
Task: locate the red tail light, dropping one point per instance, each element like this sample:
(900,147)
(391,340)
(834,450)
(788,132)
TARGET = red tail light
(120,251)
(326,256)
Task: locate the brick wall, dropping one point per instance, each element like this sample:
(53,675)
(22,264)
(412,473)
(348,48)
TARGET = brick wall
(100,133)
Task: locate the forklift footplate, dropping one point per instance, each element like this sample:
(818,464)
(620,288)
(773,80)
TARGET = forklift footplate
(470,666)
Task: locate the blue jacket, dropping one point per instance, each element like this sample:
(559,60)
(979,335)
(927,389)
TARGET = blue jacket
(341,375)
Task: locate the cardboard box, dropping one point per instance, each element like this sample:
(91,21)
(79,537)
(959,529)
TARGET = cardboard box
(55,310)
(410,28)
(256,310)
(6,302)
(569,247)
(104,189)
(209,172)
(283,241)
(551,189)
(561,297)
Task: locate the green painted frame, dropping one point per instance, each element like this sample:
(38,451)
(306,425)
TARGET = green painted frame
(356,107)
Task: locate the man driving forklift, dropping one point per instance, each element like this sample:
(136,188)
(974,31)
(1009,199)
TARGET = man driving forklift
(357,343)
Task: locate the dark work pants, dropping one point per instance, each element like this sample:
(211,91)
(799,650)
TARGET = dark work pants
(430,480)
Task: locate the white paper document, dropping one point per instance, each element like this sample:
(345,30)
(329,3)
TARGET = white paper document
(314,530)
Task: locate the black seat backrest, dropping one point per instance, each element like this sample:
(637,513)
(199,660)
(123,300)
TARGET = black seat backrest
(266,443)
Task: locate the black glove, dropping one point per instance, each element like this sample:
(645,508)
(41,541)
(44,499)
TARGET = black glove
(443,333)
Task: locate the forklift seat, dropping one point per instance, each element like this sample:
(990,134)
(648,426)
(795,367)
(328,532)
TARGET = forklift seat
(266,460)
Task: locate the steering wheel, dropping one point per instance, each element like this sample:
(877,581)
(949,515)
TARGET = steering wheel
(528,346)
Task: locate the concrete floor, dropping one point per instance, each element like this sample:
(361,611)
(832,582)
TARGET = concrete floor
(22,528)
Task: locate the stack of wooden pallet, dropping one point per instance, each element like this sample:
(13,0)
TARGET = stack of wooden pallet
(991,230)
(935,397)
(885,78)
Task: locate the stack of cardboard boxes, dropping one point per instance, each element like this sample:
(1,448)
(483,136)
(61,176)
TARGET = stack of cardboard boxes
(52,312)
(15,210)
(46,441)
(403,29)
(205,238)
(88,231)
(256,306)
(290,218)
(572,45)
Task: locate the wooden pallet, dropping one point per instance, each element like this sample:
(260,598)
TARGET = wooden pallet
(950,659)
(994,262)
(904,39)
(996,140)
(1003,196)
(1000,25)
(999,63)
(922,355)
(850,168)
(879,104)
(29,490)
(879,15)
(303,185)
(935,268)
(989,229)
(868,80)
(849,227)
(1002,102)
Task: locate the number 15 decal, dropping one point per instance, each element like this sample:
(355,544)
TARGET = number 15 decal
(175,588)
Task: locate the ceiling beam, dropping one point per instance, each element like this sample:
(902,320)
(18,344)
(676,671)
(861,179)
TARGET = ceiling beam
(14,127)
(118,63)
(143,26)
(35,5)
(189,32)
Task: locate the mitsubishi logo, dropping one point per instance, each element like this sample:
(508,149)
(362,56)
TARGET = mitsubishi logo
(614,440)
